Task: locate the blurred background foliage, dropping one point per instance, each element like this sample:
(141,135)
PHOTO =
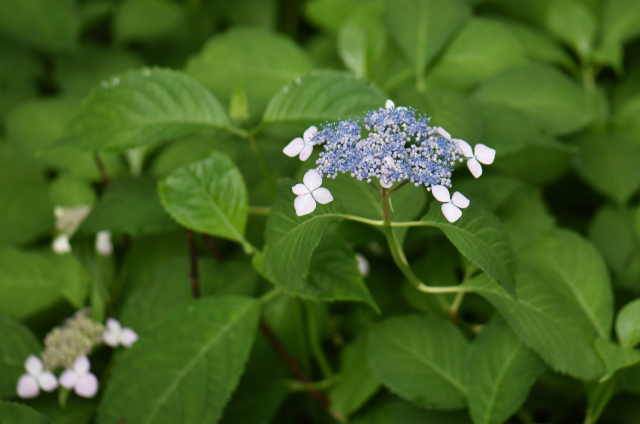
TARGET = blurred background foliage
(552,85)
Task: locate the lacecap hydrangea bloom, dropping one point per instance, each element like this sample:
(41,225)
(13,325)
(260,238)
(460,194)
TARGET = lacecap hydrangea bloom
(393,145)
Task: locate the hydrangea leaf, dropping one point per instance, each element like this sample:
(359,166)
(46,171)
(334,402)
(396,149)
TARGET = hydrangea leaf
(362,39)
(574,23)
(620,22)
(482,238)
(13,412)
(208,196)
(323,96)
(539,45)
(499,372)
(615,357)
(18,342)
(628,324)
(420,358)
(612,231)
(398,411)
(142,107)
(203,346)
(145,19)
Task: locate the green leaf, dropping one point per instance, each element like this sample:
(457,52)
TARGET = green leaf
(500,370)
(19,69)
(362,39)
(129,205)
(46,25)
(208,196)
(615,357)
(143,107)
(397,411)
(492,190)
(539,45)
(323,96)
(620,22)
(422,27)
(330,15)
(612,232)
(357,383)
(526,216)
(420,358)
(77,410)
(185,368)
(12,412)
(18,342)
(609,163)
(482,48)
(628,324)
(265,61)
(572,22)
(145,19)
(31,282)
(555,100)
(69,191)
(482,238)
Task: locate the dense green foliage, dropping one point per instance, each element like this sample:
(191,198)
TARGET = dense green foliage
(163,122)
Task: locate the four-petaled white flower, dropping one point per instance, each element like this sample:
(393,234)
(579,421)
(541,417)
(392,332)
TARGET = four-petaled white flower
(61,245)
(37,378)
(103,243)
(310,192)
(481,154)
(450,206)
(114,335)
(302,147)
(79,378)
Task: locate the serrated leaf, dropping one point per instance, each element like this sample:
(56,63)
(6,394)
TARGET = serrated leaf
(422,27)
(18,342)
(208,196)
(615,357)
(628,324)
(12,412)
(558,103)
(131,206)
(186,367)
(420,358)
(143,107)
(362,39)
(396,411)
(323,96)
(500,370)
(482,238)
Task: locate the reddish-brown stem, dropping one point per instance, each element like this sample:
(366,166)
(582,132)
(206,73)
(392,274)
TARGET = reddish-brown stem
(215,252)
(103,170)
(193,275)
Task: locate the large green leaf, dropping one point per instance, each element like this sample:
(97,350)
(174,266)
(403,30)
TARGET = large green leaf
(47,25)
(145,19)
(208,196)
(143,107)
(526,216)
(628,324)
(330,15)
(129,205)
(620,22)
(420,358)
(482,238)
(395,411)
(357,383)
(323,96)
(362,39)
(186,367)
(18,342)
(11,412)
(500,370)
(615,357)
(572,22)
(482,48)
(555,100)
(612,231)
(539,45)
(264,61)
(422,27)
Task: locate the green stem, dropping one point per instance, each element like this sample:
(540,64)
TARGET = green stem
(299,386)
(314,339)
(271,183)
(265,298)
(259,210)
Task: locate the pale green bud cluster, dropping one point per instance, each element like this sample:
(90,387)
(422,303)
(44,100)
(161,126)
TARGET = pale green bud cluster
(76,337)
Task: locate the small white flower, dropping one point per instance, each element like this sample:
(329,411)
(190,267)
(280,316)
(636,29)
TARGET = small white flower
(443,133)
(61,245)
(310,192)
(37,378)
(481,154)
(114,335)
(363,264)
(79,378)
(103,243)
(389,104)
(450,206)
(384,179)
(302,147)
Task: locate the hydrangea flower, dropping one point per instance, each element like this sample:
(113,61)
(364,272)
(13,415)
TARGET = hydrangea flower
(83,382)
(302,147)
(115,335)
(104,246)
(67,222)
(451,205)
(61,245)
(310,192)
(37,378)
(480,154)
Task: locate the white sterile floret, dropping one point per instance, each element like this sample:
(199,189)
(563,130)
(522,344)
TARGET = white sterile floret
(363,264)
(61,245)
(389,104)
(443,133)
(310,192)
(37,378)
(302,147)
(480,154)
(79,378)
(451,206)
(115,335)
(104,246)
